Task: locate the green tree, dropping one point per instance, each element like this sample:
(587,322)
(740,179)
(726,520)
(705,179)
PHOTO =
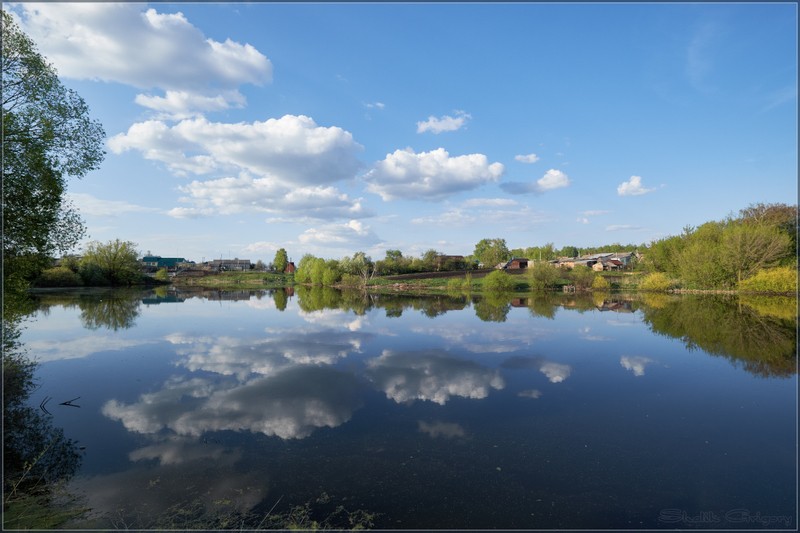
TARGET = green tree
(491,252)
(117,261)
(568,251)
(303,272)
(600,284)
(747,248)
(359,265)
(582,277)
(281,260)
(48,137)
(543,276)
(498,281)
(162,275)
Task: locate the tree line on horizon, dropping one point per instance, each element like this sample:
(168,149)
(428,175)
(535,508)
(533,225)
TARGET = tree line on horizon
(753,250)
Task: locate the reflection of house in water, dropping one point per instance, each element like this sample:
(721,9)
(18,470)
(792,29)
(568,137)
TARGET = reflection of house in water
(168,299)
(519,302)
(620,306)
(233,296)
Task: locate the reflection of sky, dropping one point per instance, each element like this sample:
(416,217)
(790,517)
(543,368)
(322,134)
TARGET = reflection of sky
(555,372)
(335,318)
(635,363)
(75,348)
(431,375)
(246,371)
(502,338)
(448,430)
(289,404)
(279,350)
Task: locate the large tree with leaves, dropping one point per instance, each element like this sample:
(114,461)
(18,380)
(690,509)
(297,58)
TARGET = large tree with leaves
(281,260)
(48,137)
(490,252)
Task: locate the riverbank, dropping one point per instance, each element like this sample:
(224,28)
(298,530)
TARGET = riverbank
(470,281)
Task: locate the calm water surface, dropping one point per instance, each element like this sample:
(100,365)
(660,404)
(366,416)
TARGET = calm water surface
(437,412)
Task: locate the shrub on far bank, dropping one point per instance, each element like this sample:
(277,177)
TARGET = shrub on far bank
(460,284)
(59,277)
(582,277)
(776,280)
(162,275)
(657,281)
(498,281)
(600,284)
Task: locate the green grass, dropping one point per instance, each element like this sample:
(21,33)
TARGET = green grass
(238,280)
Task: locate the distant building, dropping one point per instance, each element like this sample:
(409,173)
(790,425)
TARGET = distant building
(230,265)
(156,262)
(516,263)
(290,268)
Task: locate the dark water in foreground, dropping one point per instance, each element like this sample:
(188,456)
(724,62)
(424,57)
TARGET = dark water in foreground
(437,412)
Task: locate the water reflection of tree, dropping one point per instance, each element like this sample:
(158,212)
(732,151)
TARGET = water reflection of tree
(111,309)
(37,457)
(281,298)
(764,344)
(114,310)
(359,302)
(543,304)
(493,307)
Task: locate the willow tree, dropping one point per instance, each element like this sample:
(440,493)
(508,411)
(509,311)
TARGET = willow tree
(48,137)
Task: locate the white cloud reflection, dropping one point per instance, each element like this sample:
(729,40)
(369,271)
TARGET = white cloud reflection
(289,405)
(635,363)
(431,376)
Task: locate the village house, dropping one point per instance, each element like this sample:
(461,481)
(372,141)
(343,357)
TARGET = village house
(156,262)
(598,262)
(516,263)
(229,265)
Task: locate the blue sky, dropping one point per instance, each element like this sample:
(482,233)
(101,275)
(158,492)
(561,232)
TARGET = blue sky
(236,129)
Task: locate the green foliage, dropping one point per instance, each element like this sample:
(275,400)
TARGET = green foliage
(719,255)
(568,251)
(600,284)
(59,277)
(493,307)
(764,345)
(747,248)
(490,252)
(281,260)
(657,281)
(460,284)
(582,277)
(776,280)
(48,137)
(281,298)
(542,276)
(317,271)
(162,275)
(498,281)
(115,261)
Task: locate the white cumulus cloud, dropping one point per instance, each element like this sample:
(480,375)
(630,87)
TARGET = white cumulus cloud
(292,149)
(552,179)
(429,175)
(353,234)
(445,123)
(633,187)
(131,44)
(234,195)
(528,158)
